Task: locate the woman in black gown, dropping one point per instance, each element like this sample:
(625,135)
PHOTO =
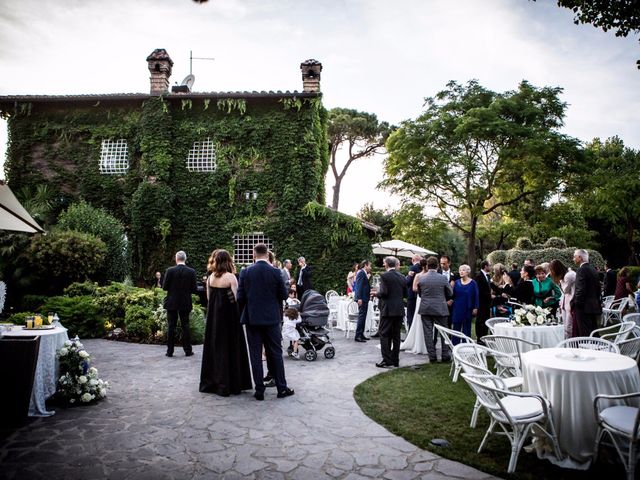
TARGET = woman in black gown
(225,362)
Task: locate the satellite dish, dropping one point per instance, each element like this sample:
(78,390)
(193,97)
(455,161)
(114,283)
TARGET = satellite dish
(188,81)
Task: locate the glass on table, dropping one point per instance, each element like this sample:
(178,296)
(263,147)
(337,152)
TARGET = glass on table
(29,322)
(38,321)
(50,317)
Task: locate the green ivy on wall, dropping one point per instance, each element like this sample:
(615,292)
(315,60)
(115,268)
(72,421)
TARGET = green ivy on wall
(276,147)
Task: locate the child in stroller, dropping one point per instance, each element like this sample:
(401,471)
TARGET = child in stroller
(290,321)
(315,316)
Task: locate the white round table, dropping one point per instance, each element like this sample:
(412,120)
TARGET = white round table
(571,384)
(46,376)
(548,336)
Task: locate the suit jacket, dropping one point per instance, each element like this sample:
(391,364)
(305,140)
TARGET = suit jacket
(587,291)
(515,276)
(416,269)
(260,294)
(484,294)
(523,291)
(453,276)
(179,282)
(610,279)
(304,278)
(392,292)
(363,286)
(434,290)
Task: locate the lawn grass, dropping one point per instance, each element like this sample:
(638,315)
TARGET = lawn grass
(422,403)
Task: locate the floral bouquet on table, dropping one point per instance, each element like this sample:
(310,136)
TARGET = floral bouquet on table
(532,315)
(78,382)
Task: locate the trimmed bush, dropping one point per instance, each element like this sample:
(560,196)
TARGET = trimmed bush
(20,318)
(139,322)
(78,289)
(33,303)
(523,243)
(196,325)
(555,242)
(78,314)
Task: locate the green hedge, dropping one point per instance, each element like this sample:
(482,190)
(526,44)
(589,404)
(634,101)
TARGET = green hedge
(80,315)
(541,255)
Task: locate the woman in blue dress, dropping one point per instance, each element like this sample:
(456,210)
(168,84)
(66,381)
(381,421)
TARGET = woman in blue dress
(465,302)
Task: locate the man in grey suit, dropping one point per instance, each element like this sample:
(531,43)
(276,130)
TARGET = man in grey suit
(434,290)
(391,292)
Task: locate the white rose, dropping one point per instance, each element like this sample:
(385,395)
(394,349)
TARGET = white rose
(82,379)
(67,343)
(73,400)
(520,311)
(93,382)
(531,318)
(541,319)
(102,392)
(93,371)
(63,352)
(83,353)
(86,397)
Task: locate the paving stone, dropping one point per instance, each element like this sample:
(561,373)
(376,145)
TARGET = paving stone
(156,424)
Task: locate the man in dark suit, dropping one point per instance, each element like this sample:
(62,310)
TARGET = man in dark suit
(586,299)
(514,274)
(391,292)
(361,294)
(412,298)
(304,277)
(610,279)
(451,276)
(484,306)
(180,283)
(260,295)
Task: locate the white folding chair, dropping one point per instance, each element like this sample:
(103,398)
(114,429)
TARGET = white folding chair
(513,347)
(473,360)
(333,302)
(589,343)
(614,311)
(615,333)
(352,318)
(446,334)
(329,294)
(516,413)
(492,321)
(622,424)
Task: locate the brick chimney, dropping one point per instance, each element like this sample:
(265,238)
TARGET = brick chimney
(311,75)
(159,64)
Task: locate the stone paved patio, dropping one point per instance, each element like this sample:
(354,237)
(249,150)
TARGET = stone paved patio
(156,425)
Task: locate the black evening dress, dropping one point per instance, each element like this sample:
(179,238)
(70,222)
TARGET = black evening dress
(225,362)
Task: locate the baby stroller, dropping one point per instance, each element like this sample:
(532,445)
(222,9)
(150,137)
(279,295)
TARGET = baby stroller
(313,336)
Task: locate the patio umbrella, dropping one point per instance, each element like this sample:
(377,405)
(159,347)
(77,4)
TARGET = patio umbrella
(399,248)
(13,216)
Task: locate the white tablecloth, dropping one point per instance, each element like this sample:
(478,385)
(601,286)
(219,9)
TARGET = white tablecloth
(414,342)
(548,336)
(343,316)
(46,376)
(571,384)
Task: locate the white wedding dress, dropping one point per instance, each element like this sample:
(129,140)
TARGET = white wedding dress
(414,343)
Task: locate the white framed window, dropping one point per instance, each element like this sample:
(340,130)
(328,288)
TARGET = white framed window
(202,157)
(114,157)
(243,246)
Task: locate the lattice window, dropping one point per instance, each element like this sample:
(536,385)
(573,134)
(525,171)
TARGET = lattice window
(114,157)
(243,246)
(202,157)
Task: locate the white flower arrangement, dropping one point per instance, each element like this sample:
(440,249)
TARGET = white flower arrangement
(79,383)
(532,315)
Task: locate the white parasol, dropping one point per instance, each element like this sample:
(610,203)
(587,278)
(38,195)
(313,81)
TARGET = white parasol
(13,216)
(398,248)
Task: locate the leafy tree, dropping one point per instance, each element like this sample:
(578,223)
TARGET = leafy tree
(362,135)
(474,151)
(611,190)
(381,218)
(622,16)
(82,217)
(413,226)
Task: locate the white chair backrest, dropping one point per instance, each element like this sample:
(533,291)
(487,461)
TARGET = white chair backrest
(492,321)
(329,294)
(617,305)
(630,347)
(447,333)
(589,343)
(606,301)
(352,309)
(632,317)
(615,333)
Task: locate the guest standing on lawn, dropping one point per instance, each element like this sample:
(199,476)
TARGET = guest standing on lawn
(465,302)
(392,291)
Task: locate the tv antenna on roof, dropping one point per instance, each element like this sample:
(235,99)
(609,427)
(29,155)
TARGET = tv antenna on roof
(192,58)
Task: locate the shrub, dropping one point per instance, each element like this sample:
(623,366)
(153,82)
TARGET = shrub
(144,298)
(196,325)
(523,243)
(64,257)
(33,303)
(78,314)
(82,217)
(498,256)
(139,322)
(555,242)
(78,289)
(20,318)
(112,307)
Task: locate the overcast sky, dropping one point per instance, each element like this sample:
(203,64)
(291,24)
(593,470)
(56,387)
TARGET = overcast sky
(378,56)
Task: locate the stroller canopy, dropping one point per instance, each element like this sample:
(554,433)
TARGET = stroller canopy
(313,304)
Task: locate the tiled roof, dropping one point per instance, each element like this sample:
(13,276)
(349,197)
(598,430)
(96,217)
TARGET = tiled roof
(5,99)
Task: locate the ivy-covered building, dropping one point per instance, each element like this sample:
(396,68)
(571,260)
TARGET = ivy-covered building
(191,170)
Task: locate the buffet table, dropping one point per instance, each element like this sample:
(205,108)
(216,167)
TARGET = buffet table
(46,376)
